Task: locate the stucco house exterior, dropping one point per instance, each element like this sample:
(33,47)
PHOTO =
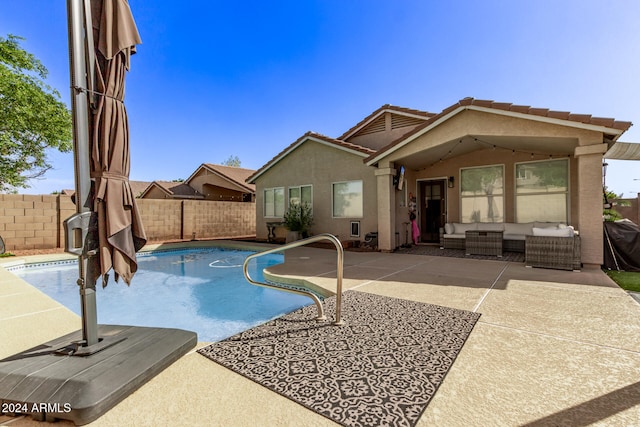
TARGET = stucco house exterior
(475,161)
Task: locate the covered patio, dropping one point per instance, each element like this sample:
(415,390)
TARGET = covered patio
(543,165)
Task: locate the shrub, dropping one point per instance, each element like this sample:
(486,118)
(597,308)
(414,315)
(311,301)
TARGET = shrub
(299,218)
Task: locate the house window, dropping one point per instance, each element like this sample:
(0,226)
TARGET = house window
(274,202)
(301,194)
(347,199)
(542,194)
(482,194)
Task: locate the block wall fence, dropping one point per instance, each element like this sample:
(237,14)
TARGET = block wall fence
(36,222)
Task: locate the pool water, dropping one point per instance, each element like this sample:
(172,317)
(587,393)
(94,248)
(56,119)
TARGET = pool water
(198,290)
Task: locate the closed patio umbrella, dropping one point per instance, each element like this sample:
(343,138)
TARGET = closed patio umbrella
(119,226)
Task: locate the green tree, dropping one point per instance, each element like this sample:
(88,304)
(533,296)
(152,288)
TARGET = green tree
(233,161)
(32,117)
(611,200)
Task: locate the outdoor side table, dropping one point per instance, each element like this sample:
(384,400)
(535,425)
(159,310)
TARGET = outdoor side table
(271,229)
(479,242)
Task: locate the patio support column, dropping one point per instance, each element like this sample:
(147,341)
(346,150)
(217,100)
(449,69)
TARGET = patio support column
(590,202)
(386,210)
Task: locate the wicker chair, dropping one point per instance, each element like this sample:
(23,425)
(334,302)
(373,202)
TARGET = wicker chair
(553,252)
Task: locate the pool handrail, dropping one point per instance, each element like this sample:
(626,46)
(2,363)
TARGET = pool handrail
(316,300)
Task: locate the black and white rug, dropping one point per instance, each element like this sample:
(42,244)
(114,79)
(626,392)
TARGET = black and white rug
(379,369)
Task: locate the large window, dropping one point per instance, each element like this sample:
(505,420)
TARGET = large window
(347,199)
(482,194)
(301,195)
(542,191)
(274,202)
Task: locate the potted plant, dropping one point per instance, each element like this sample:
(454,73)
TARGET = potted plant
(298,220)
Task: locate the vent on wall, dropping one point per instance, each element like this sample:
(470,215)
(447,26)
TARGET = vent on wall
(377,125)
(398,121)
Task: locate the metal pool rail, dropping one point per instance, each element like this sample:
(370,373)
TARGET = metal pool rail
(340,263)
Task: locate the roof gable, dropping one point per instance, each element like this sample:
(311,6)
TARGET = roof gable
(377,121)
(234,175)
(608,126)
(174,189)
(316,137)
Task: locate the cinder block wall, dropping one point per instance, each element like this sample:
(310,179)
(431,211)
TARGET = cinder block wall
(36,222)
(212,219)
(162,219)
(29,221)
(632,211)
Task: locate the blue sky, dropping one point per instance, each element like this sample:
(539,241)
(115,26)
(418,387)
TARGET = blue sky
(214,79)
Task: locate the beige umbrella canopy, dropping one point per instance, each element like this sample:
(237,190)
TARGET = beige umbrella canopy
(119,226)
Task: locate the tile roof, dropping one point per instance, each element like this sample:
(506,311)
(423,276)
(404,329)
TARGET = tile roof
(311,135)
(178,189)
(237,175)
(545,112)
(468,102)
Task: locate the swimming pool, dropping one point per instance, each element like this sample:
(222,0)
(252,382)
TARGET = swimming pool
(200,290)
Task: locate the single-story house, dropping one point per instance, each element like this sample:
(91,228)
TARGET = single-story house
(208,182)
(475,161)
(223,183)
(170,190)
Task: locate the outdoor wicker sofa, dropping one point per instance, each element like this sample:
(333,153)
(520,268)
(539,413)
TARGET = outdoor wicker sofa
(545,244)
(561,253)
(452,235)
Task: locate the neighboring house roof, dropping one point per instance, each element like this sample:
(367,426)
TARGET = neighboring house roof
(608,126)
(137,188)
(175,190)
(312,136)
(234,175)
(375,120)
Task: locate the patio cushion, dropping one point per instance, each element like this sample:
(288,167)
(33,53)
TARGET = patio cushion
(459,228)
(518,229)
(491,226)
(448,228)
(553,232)
(547,224)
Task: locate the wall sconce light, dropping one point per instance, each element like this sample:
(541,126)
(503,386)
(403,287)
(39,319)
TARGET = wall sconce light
(451,182)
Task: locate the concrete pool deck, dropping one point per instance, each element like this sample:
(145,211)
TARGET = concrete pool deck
(551,347)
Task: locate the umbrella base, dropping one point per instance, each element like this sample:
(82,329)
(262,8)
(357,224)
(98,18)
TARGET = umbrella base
(48,384)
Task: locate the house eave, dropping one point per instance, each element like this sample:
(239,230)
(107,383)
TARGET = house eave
(373,160)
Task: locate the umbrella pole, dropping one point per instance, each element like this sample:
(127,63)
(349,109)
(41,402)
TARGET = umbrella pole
(76,227)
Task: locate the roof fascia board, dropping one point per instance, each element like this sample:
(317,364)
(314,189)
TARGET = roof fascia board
(155,184)
(203,165)
(551,120)
(462,108)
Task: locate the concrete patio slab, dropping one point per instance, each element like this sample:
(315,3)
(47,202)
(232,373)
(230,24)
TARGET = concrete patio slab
(551,348)
(566,312)
(508,377)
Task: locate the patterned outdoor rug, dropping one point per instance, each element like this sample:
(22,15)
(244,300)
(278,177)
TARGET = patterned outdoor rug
(380,369)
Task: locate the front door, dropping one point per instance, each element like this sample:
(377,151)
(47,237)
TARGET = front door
(432,208)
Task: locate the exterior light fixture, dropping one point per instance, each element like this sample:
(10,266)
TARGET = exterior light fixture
(451,182)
